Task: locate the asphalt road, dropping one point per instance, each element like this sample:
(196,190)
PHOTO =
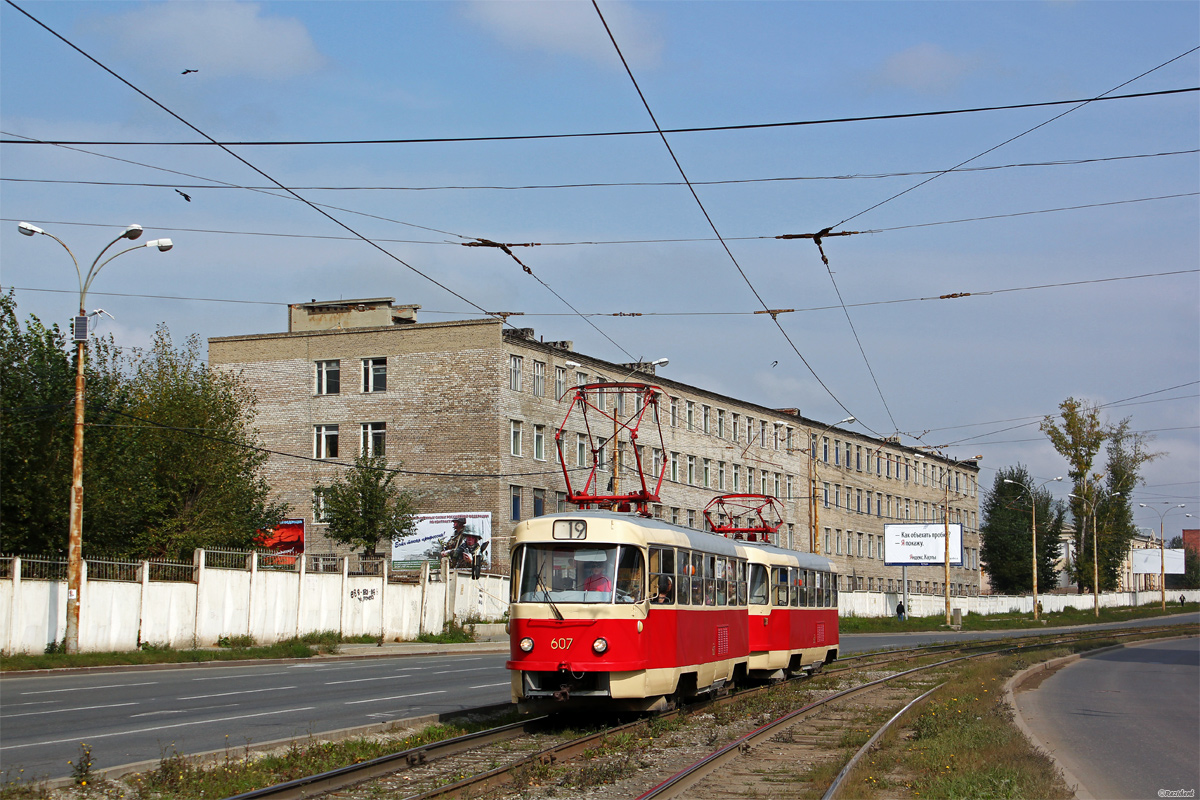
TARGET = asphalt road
(137,714)
(1126,723)
(140,714)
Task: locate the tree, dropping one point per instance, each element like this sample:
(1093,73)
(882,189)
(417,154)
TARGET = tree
(364,505)
(1190,579)
(170,462)
(1005,536)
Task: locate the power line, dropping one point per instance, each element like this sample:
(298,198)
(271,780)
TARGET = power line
(594,134)
(1080,104)
(952,296)
(711,224)
(612,184)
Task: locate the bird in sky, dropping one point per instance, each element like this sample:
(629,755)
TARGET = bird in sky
(184,196)
(773,363)
(186,71)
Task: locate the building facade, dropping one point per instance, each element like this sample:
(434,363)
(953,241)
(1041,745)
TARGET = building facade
(468,411)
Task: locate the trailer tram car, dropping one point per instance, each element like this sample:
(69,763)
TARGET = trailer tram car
(626,613)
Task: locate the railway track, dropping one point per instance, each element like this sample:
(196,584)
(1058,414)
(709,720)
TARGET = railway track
(512,760)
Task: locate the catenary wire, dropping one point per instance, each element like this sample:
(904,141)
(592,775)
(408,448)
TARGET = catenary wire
(1081,104)
(601,185)
(712,225)
(246,163)
(593,134)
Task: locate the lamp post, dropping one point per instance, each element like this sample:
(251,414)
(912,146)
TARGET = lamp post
(946,526)
(814,506)
(1162,552)
(1033,508)
(79,334)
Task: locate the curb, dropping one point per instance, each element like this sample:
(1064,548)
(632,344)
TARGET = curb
(1014,684)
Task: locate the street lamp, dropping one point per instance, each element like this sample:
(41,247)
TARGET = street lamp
(79,334)
(1162,565)
(1033,507)
(814,506)
(946,526)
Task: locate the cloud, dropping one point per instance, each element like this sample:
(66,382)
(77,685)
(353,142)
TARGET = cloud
(221,40)
(925,68)
(571,28)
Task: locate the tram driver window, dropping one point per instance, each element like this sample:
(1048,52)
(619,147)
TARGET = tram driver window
(630,576)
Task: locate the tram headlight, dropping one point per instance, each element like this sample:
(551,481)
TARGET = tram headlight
(600,646)
(526,645)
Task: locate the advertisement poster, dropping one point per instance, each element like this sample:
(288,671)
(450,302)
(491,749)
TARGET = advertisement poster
(921,544)
(434,528)
(287,538)
(1147,561)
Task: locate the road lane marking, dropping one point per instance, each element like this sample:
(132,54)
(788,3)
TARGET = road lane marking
(474,669)
(235,677)
(183,710)
(364,680)
(61,710)
(394,697)
(491,685)
(91,737)
(90,688)
(244,691)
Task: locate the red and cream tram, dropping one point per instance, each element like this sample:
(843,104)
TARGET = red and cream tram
(625,612)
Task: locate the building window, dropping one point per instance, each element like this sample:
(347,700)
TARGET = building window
(691,518)
(561,501)
(828,542)
(580,378)
(320,508)
(515,427)
(788,440)
(325,441)
(707,476)
(737,478)
(837,453)
(825,449)
(762,434)
(674,516)
(868,504)
(600,456)
(675,467)
(691,415)
(790,496)
(775,485)
(560,382)
(860,543)
(826,494)
(691,471)
(837,495)
(374,374)
(601,400)
(870,545)
(515,495)
(858,500)
(734,427)
(858,457)
(658,462)
(374,436)
(721,423)
(539,442)
(837,541)
(721,475)
(539,379)
(847,455)
(539,502)
(705,417)
(329,377)
(749,430)
(514,373)
(581,457)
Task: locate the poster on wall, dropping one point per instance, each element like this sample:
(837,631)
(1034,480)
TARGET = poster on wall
(433,532)
(286,540)
(921,544)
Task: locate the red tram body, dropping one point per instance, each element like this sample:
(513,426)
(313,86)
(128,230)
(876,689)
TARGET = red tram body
(619,611)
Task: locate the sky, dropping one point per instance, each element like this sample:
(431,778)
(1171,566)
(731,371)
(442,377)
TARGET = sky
(1067,232)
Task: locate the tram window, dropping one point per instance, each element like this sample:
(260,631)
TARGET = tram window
(710,588)
(741,582)
(662,575)
(683,578)
(698,579)
(515,565)
(719,579)
(795,576)
(812,584)
(781,586)
(758,585)
(630,575)
(817,588)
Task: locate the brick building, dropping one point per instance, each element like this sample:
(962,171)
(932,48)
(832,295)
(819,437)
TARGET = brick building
(470,410)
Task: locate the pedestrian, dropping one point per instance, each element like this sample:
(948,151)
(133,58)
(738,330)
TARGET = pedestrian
(1180,601)
(900,611)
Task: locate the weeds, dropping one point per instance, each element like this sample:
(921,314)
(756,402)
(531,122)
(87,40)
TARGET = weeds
(452,633)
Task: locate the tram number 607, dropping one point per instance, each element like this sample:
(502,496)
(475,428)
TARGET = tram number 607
(560,644)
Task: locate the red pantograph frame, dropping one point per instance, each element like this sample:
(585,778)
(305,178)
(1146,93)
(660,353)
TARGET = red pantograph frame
(756,505)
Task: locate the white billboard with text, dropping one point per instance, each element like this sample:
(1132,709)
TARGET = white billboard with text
(1146,561)
(921,544)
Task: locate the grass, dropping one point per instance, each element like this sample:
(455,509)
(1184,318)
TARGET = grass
(1010,621)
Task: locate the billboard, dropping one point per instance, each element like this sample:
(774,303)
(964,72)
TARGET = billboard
(921,544)
(1147,561)
(434,530)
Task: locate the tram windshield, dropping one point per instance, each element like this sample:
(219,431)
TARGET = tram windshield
(562,573)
